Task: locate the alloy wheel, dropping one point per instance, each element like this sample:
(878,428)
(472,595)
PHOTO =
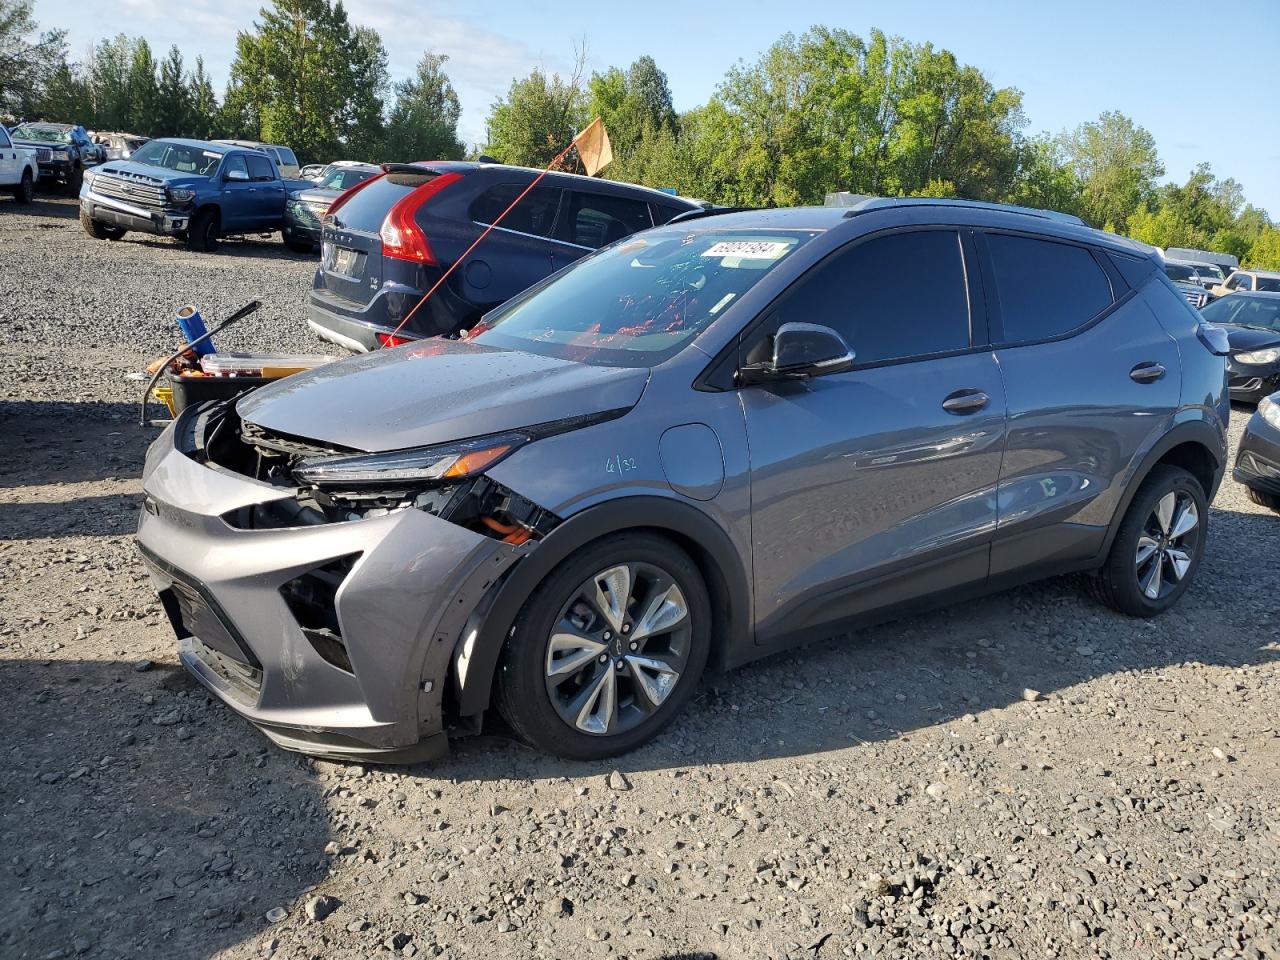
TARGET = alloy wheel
(618,649)
(1167,545)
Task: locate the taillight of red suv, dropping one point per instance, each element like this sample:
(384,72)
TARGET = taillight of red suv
(402,238)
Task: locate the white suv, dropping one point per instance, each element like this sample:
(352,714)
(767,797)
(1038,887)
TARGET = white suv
(18,168)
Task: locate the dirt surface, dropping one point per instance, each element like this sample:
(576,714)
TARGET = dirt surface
(1029,775)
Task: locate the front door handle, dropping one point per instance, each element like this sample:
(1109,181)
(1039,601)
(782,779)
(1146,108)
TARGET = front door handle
(965,401)
(1148,372)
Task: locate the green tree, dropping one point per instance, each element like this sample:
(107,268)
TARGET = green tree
(424,121)
(1264,252)
(635,104)
(1117,165)
(304,77)
(1044,178)
(537,118)
(173,117)
(142,113)
(29,59)
(203,122)
(108,77)
(65,94)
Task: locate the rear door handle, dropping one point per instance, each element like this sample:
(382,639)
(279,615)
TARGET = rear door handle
(965,401)
(1148,372)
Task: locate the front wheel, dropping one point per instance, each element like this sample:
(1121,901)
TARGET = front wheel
(99,231)
(74,179)
(202,234)
(1159,546)
(1264,499)
(608,649)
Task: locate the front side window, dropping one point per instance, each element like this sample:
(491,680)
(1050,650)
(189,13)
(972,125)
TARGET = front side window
(891,297)
(639,302)
(260,167)
(234,163)
(596,220)
(4,138)
(535,213)
(1044,289)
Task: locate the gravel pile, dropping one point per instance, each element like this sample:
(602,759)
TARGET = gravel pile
(1028,775)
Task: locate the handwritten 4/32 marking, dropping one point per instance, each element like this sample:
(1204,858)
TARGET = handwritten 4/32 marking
(619,464)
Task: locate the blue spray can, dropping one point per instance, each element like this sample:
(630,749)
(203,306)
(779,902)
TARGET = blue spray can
(193,328)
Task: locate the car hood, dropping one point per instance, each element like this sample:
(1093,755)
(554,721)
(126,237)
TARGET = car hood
(18,141)
(148,172)
(316,195)
(436,391)
(1250,338)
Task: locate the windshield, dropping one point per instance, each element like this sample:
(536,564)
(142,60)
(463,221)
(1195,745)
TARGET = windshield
(639,301)
(178,156)
(1178,271)
(43,134)
(1212,271)
(341,178)
(1244,310)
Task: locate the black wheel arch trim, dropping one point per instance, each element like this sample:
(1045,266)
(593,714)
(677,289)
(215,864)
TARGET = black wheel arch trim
(731,596)
(1199,432)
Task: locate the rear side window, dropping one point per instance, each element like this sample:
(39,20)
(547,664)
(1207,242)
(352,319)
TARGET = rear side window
(535,214)
(595,220)
(365,209)
(1135,270)
(1045,289)
(285,156)
(259,167)
(890,297)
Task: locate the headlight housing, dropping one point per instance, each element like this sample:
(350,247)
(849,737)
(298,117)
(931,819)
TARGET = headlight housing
(181,194)
(1270,355)
(1269,410)
(407,469)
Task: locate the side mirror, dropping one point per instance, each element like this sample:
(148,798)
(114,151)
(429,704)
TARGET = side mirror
(237,175)
(801,350)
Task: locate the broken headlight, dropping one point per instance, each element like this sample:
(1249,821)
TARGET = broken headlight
(400,469)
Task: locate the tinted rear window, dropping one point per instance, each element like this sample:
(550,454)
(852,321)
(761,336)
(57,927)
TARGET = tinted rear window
(1135,270)
(1045,289)
(367,208)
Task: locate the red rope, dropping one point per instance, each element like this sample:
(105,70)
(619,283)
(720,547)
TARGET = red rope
(453,266)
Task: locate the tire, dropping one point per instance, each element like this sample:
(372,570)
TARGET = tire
(25,191)
(72,187)
(593,710)
(100,231)
(202,234)
(1264,499)
(1141,588)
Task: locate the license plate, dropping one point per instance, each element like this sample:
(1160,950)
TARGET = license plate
(340,260)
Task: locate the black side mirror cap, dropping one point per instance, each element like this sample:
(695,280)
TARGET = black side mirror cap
(801,350)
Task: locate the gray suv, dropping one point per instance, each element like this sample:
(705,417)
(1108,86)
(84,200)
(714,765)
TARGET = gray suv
(699,445)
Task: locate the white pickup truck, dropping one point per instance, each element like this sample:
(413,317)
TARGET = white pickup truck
(18,168)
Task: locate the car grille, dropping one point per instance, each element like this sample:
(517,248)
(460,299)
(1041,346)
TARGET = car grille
(1196,298)
(43,154)
(139,191)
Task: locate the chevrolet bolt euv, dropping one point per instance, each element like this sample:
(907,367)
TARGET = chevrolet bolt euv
(701,444)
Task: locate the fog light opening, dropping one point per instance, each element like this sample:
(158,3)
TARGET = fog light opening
(312,599)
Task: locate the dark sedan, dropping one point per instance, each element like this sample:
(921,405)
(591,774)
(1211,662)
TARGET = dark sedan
(1258,459)
(1252,322)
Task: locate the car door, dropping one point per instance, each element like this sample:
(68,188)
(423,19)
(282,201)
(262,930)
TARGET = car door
(266,193)
(1091,380)
(592,220)
(10,166)
(516,254)
(237,193)
(873,486)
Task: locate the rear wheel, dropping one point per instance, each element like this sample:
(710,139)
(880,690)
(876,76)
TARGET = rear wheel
(1158,548)
(99,231)
(26,188)
(608,649)
(202,234)
(1264,499)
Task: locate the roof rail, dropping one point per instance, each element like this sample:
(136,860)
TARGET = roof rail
(867,204)
(708,212)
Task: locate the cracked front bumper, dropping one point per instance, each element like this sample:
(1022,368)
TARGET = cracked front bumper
(402,608)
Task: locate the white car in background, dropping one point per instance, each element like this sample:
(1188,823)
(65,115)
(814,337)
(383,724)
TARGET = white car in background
(18,168)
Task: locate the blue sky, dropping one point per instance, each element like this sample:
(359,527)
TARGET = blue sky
(1201,77)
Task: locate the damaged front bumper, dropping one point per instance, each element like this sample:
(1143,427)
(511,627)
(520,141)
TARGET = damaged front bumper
(335,639)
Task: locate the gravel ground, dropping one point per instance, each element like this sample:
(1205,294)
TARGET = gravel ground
(1025,776)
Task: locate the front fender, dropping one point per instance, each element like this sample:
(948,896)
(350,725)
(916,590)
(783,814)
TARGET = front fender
(722,567)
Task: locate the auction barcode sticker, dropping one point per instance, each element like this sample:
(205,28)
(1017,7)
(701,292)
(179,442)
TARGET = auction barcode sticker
(749,249)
